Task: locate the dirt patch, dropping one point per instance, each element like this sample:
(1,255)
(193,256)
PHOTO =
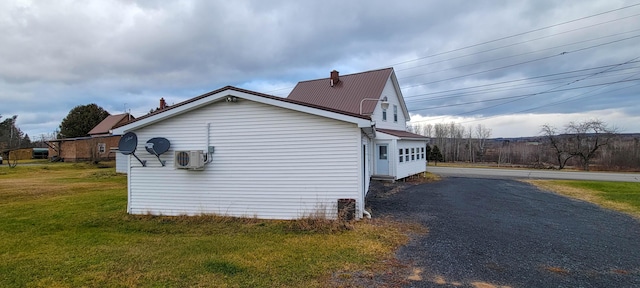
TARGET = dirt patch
(390,273)
(556,270)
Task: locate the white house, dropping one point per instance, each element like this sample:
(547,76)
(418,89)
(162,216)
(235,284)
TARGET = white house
(396,153)
(257,155)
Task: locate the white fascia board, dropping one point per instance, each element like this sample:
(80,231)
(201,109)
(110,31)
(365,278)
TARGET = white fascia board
(241,95)
(403,105)
(389,136)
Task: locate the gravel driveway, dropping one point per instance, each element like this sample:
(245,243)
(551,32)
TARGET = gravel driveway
(505,233)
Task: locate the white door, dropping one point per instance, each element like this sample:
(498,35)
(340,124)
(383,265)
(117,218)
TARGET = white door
(382,159)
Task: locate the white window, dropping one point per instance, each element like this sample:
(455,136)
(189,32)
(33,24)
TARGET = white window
(406,154)
(384,114)
(401,156)
(413,154)
(422,149)
(102,148)
(395,113)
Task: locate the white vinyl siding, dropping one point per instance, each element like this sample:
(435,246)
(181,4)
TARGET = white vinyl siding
(269,162)
(121,162)
(399,121)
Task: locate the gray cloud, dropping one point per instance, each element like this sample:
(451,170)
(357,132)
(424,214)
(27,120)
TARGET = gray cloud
(57,55)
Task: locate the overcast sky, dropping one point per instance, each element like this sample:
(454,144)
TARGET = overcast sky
(509,65)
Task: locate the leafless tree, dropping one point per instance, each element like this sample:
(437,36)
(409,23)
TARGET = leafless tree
(559,146)
(482,133)
(471,153)
(427,130)
(586,138)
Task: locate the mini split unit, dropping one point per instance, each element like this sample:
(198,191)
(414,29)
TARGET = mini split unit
(191,159)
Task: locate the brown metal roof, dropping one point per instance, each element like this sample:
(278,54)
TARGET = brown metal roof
(108,123)
(402,134)
(248,92)
(345,95)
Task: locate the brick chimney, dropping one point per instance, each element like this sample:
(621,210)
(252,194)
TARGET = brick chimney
(335,78)
(163,104)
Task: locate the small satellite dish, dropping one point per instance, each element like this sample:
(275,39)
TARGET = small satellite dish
(127,146)
(128,143)
(157,146)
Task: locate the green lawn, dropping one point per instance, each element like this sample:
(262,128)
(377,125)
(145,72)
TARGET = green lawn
(64,225)
(623,192)
(621,196)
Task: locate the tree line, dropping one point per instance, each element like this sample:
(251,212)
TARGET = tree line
(11,137)
(78,122)
(590,144)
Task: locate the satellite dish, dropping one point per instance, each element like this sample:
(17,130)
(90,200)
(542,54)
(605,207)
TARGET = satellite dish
(127,146)
(128,143)
(157,146)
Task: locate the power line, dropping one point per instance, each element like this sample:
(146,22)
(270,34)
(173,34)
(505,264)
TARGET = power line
(516,55)
(514,87)
(523,42)
(520,97)
(551,104)
(525,62)
(549,90)
(501,38)
(522,79)
(517,34)
(579,96)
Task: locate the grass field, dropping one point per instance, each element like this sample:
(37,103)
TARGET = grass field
(64,225)
(620,196)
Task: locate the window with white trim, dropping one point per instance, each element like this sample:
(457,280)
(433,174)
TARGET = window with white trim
(384,114)
(102,147)
(401,158)
(413,154)
(406,154)
(422,154)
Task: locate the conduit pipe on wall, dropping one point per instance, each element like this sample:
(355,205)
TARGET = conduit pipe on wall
(207,149)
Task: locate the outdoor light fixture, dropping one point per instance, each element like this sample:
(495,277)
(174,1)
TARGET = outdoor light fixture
(232,99)
(384,104)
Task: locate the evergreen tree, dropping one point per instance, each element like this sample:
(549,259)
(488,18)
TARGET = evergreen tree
(80,120)
(436,155)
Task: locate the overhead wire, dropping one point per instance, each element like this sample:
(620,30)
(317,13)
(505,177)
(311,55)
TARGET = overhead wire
(520,97)
(519,80)
(522,42)
(514,87)
(524,62)
(544,92)
(502,38)
(517,34)
(517,55)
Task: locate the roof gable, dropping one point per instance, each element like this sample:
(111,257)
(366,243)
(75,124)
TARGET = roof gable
(345,95)
(106,125)
(223,93)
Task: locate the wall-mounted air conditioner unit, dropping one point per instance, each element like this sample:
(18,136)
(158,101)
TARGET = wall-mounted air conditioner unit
(193,160)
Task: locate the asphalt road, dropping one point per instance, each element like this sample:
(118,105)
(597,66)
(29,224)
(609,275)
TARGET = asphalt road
(533,174)
(505,233)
